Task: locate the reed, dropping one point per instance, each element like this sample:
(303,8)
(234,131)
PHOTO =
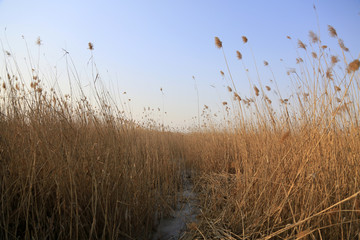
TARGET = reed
(73,170)
(274,167)
(289,170)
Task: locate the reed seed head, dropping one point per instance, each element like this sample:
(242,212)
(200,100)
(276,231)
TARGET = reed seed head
(256,91)
(238,55)
(237,97)
(91,46)
(314,38)
(244,39)
(229,88)
(299,60)
(314,55)
(334,60)
(337,89)
(301,44)
(38,41)
(266,63)
(354,66)
(342,45)
(268,100)
(222,73)
(329,74)
(332,31)
(284,101)
(218,43)
(268,88)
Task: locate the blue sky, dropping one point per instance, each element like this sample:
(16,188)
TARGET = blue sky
(141,46)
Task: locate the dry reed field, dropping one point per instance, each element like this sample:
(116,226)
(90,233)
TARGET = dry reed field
(275,168)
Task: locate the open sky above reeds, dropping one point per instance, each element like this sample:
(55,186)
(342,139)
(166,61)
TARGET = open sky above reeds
(142,46)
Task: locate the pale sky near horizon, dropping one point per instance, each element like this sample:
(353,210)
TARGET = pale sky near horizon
(142,46)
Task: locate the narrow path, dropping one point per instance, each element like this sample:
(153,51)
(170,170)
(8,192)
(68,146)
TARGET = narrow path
(174,227)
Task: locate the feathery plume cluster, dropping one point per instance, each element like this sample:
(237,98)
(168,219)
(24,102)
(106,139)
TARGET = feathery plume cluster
(33,85)
(337,89)
(334,60)
(266,63)
(329,74)
(299,60)
(301,44)
(38,41)
(353,66)
(267,99)
(342,45)
(91,46)
(284,101)
(332,31)
(218,43)
(244,39)
(256,91)
(237,97)
(314,38)
(238,55)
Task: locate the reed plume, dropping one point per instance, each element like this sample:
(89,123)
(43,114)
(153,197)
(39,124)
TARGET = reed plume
(332,31)
(301,44)
(314,38)
(244,39)
(218,43)
(354,66)
(238,55)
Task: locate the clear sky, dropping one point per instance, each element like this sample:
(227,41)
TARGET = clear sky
(142,46)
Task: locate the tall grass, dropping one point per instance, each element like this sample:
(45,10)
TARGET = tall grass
(276,168)
(287,170)
(72,170)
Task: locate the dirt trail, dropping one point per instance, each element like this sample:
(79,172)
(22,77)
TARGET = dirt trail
(174,227)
